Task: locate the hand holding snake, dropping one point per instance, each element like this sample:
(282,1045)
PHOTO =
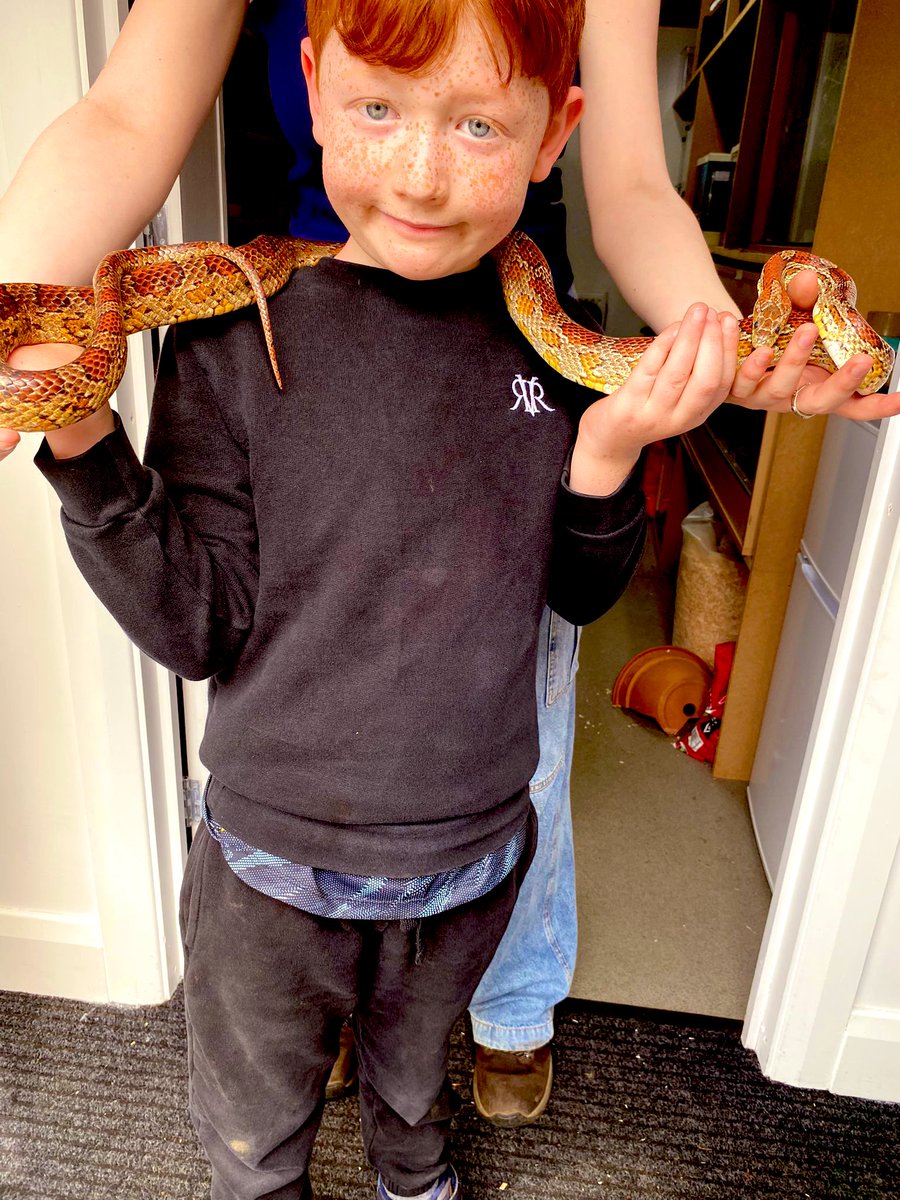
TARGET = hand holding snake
(162,285)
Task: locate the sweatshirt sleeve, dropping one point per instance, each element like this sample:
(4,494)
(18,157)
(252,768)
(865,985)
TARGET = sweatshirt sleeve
(170,546)
(597,545)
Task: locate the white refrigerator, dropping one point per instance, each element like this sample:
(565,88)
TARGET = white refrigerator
(820,578)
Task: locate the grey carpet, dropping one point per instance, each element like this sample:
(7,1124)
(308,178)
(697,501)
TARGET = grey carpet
(645,1105)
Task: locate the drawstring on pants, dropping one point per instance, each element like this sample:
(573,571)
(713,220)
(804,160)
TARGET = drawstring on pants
(415,924)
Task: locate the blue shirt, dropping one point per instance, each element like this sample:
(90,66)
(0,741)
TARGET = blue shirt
(360,897)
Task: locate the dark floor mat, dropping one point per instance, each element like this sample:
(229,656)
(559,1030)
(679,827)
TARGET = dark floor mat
(92,1107)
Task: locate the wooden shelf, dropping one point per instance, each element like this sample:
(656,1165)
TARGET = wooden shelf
(729,495)
(720,56)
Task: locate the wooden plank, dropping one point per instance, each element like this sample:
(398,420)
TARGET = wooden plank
(759,92)
(859,218)
(760,487)
(774,131)
(794,458)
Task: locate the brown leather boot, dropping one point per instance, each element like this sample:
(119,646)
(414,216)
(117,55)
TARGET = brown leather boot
(512,1087)
(342,1079)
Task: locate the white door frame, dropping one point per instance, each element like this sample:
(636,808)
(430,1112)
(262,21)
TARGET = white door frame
(810,1019)
(89,902)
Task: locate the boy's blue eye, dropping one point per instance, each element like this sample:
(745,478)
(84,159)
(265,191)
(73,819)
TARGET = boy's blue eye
(477,128)
(376,110)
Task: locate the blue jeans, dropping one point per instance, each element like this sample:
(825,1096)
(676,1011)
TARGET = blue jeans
(531,970)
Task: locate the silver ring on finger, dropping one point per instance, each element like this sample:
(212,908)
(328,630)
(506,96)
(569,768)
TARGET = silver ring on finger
(797,411)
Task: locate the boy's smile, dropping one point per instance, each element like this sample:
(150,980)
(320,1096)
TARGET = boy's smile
(428,171)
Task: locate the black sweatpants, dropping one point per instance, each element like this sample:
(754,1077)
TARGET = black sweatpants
(267,988)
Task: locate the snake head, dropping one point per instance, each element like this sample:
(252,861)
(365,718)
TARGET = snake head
(843,332)
(772,310)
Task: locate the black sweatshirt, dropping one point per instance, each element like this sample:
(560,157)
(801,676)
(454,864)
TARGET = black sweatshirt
(359,562)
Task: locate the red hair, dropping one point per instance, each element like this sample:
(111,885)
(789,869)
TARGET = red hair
(540,37)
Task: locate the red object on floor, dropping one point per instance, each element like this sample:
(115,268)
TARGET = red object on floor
(701,739)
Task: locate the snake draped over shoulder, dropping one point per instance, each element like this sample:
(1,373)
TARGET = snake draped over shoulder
(165,285)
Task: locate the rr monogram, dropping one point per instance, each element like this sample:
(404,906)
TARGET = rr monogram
(529,393)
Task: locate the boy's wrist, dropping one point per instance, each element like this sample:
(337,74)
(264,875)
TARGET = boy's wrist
(77,439)
(599,468)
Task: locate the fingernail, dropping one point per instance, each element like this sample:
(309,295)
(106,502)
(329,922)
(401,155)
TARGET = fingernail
(699,312)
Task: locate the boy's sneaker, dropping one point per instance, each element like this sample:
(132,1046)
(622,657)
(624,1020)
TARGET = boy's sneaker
(446,1187)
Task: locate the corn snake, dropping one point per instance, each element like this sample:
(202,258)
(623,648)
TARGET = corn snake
(163,285)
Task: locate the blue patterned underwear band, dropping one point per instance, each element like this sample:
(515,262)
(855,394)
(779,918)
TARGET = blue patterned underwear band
(359,897)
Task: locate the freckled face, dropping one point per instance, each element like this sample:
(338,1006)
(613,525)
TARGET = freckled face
(428,172)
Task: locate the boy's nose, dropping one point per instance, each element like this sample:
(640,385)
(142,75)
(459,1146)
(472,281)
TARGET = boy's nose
(423,168)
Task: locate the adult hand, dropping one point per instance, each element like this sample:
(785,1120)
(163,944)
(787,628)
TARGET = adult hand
(9,439)
(759,385)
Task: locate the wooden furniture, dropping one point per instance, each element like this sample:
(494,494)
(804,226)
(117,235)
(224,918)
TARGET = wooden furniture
(754,68)
(766,85)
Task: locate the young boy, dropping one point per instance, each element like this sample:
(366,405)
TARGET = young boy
(359,565)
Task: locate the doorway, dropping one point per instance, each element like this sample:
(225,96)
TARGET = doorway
(672,896)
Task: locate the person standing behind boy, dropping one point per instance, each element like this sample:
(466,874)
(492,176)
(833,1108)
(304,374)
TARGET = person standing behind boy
(360,564)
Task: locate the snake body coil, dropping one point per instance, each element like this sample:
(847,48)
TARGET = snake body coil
(164,285)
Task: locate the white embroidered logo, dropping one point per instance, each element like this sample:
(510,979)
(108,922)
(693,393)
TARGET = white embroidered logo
(530,394)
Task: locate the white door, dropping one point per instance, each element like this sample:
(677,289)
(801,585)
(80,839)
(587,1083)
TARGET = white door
(92,841)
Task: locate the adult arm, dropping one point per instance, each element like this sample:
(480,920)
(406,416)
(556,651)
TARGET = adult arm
(642,230)
(106,165)
(647,236)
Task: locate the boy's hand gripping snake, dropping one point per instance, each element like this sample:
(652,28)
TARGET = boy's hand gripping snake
(164,285)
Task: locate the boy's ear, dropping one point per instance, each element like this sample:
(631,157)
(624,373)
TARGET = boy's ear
(308,63)
(559,129)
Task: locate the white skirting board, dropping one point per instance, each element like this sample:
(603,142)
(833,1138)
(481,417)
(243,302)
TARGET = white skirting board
(53,954)
(869,1065)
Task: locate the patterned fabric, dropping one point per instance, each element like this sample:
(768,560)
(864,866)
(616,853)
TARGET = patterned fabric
(358,897)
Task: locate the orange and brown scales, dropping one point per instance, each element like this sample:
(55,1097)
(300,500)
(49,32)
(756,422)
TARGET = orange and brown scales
(154,286)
